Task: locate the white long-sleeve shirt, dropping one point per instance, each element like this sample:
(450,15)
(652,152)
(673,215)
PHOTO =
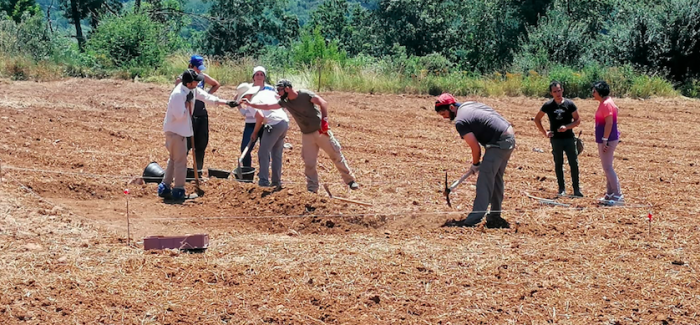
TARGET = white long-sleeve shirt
(177,117)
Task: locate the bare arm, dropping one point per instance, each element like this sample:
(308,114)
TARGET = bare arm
(475,147)
(575,123)
(259,118)
(538,122)
(211,81)
(264,107)
(322,105)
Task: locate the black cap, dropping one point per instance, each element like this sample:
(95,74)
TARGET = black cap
(284,83)
(190,75)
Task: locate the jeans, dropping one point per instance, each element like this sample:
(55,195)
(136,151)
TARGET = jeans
(247,133)
(272,147)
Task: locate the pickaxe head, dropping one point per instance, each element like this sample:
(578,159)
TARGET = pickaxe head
(447,192)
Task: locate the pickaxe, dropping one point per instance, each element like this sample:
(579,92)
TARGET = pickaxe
(449,189)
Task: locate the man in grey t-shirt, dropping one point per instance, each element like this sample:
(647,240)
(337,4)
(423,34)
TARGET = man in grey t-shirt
(310,111)
(479,125)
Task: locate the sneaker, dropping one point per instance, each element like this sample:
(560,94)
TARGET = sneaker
(353,185)
(178,194)
(561,193)
(615,200)
(607,197)
(578,194)
(164,190)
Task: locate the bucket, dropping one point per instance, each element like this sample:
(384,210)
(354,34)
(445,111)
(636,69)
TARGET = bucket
(153,173)
(248,174)
(218,173)
(190,174)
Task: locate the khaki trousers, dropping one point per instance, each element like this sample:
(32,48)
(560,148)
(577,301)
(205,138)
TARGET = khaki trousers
(310,143)
(177,163)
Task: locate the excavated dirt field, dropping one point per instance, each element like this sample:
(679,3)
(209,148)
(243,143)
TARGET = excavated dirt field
(70,148)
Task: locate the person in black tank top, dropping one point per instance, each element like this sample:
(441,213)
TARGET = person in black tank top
(200,117)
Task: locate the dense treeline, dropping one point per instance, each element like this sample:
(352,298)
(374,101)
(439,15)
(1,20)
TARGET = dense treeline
(430,44)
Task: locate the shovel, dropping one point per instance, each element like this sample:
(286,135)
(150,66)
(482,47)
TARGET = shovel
(449,189)
(239,170)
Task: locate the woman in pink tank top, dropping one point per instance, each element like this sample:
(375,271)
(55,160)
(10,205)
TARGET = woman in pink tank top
(607,136)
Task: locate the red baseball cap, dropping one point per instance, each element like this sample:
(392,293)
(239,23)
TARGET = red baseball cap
(445,99)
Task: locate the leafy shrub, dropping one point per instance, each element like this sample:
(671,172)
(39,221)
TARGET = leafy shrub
(644,87)
(28,38)
(312,48)
(691,88)
(132,42)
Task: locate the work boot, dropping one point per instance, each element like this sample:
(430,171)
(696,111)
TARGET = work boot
(164,190)
(495,221)
(460,223)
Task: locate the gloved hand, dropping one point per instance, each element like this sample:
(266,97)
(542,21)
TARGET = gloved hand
(324,126)
(232,103)
(475,168)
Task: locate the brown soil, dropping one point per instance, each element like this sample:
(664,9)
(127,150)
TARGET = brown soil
(292,257)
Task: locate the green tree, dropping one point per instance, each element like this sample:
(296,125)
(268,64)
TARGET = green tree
(245,27)
(331,19)
(77,10)
(662,37)
(312,47)
(422,26)
(15,9)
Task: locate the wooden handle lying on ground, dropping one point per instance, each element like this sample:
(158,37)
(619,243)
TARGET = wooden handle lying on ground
(351,201)
(344,199)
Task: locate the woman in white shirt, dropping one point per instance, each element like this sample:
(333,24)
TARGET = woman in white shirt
(274,125)
(259,77)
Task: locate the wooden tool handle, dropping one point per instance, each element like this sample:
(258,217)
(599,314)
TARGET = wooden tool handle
(352,201)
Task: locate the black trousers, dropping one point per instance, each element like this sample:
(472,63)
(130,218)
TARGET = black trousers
(568,146)
(200,126)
